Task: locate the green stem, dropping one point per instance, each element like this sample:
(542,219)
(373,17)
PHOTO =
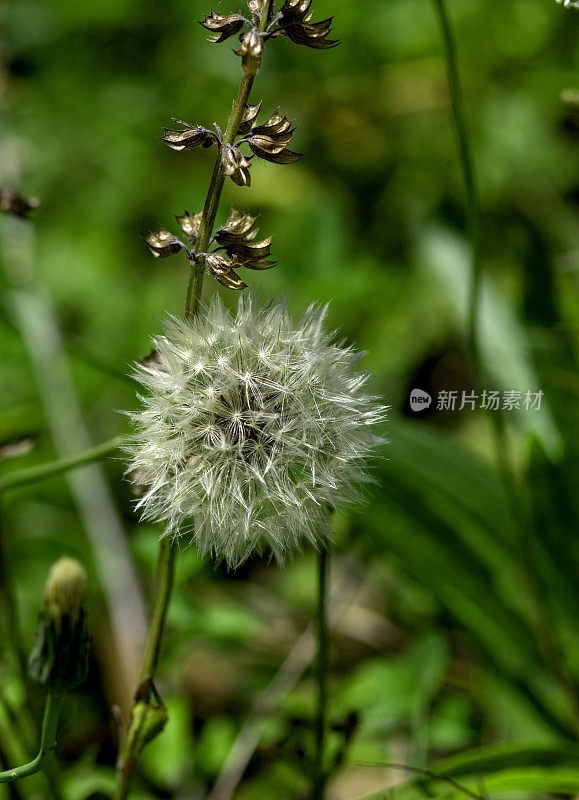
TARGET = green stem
(319,784)
(133,742)
(521,514)
(43,471)
(165,574)
(469,172)
(197,271)
(52,709)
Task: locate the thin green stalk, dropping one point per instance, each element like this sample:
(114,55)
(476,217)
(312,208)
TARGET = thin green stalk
(52,710)
(521,514)
(165,573)
(25,477)
(321,670)
(472,198)
(20,725)
(136,735)
(197,271)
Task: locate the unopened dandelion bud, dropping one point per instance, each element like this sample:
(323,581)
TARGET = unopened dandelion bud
(65,589)
(59,657)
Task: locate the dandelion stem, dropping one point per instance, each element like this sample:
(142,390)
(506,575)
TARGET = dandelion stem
(319,784)
(469,172)
(25,477)
(197,271)
(165,572)
(136,736)
(52,709)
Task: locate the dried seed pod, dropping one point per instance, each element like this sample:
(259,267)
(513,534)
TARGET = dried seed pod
(237,238)
(274,148)
(249,116)
(190,136)
(250,51)
(238,227)
(223,26)
(163,243)
(190,225)
(277,123)
(296,8)
(256,7)
(249,251)
(271,139)
(311,34)
(14,203)
(235,164)
(295,21)
(221,269)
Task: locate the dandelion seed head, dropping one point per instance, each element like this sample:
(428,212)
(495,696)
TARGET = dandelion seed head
(251,429)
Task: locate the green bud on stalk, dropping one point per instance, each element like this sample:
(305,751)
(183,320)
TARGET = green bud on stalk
(59,657)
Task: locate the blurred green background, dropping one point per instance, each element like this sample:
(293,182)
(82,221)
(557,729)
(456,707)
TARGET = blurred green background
(456,586)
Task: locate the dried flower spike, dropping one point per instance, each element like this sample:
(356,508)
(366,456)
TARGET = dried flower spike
(252,428)
(235,165)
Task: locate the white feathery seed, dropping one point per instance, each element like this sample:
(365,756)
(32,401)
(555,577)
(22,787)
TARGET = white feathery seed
(251,430)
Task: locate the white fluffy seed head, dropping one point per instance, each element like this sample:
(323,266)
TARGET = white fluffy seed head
(251,430)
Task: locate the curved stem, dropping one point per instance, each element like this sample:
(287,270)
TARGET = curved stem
(197,271)
(135,737)
(469,172)
(52,709)
(319,786)
(43,471)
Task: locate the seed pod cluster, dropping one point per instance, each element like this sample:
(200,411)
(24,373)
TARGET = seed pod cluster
(235,246)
